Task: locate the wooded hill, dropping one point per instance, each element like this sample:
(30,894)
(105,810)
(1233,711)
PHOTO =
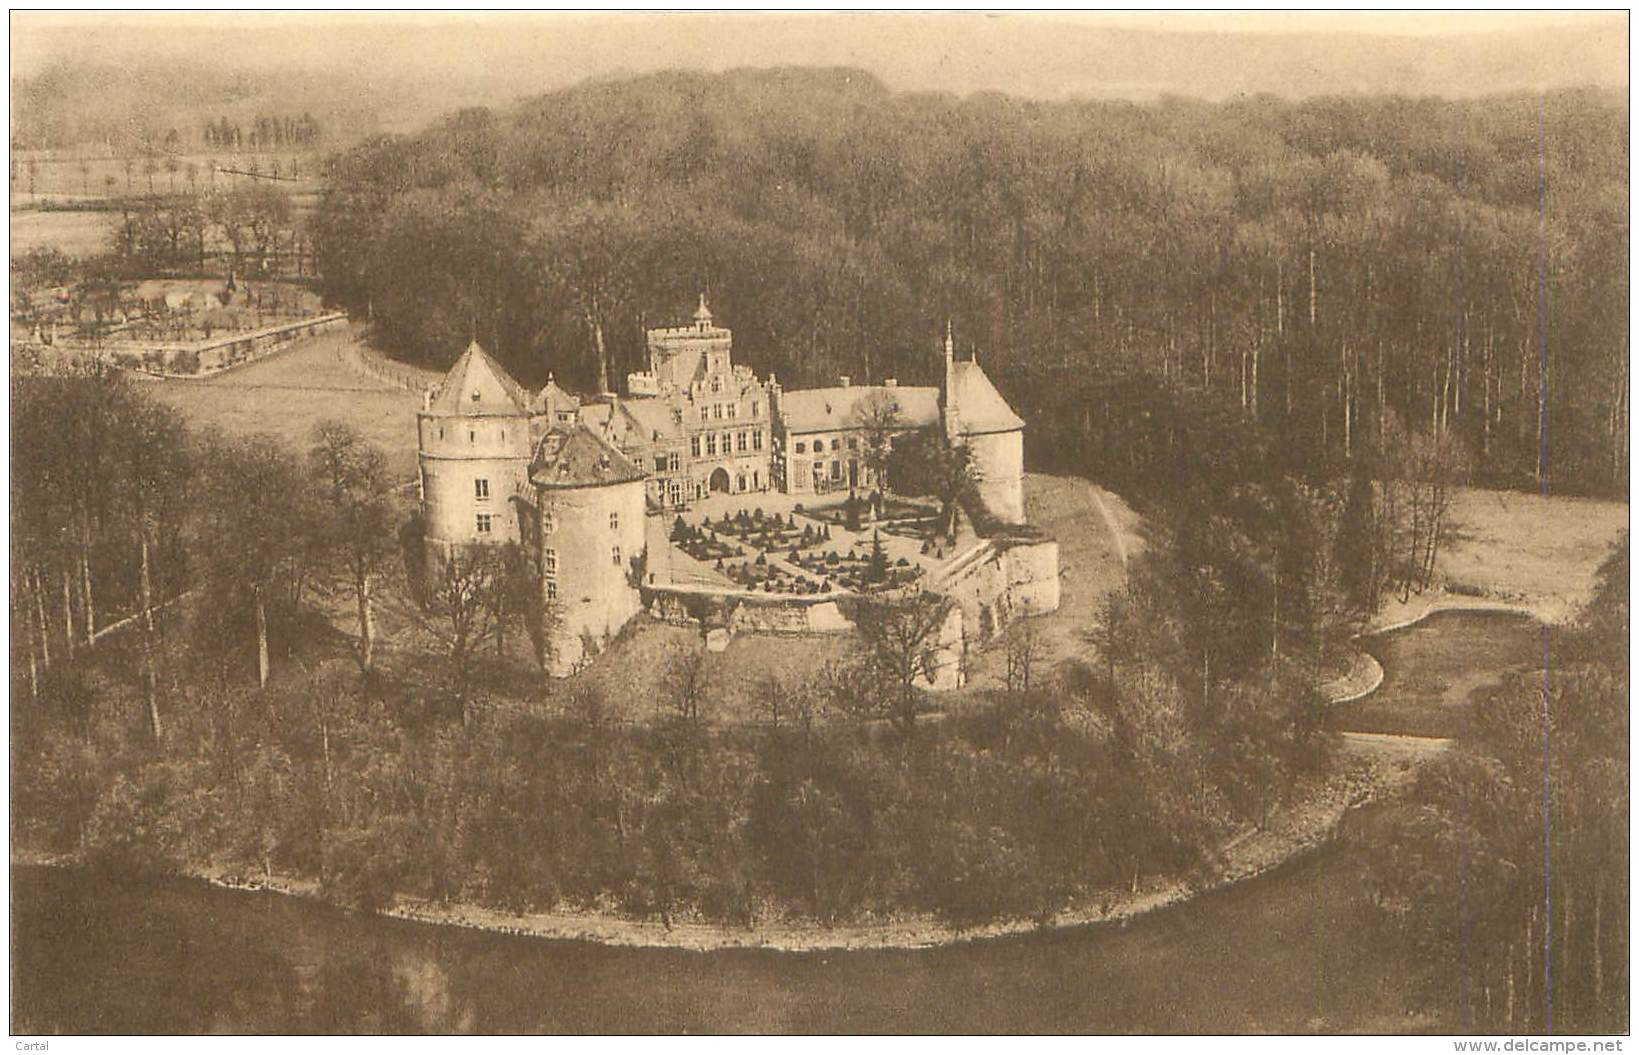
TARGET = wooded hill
(1318,266)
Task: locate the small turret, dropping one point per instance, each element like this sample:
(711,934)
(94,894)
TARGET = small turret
(949,411)
(702,315)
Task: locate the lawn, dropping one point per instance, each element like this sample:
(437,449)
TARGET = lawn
(288,394)
(1515,546)
(74,233)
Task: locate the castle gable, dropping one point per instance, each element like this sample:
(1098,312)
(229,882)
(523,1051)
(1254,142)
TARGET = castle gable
(478,386)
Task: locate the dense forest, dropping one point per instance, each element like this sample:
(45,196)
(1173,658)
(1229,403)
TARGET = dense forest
(1327,271)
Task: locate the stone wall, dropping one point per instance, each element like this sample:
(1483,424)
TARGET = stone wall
(457,452)
(998,459)
(1002,580)
(590,538)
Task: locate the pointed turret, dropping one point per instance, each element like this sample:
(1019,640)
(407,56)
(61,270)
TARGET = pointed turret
(702,314)
(948,403)
(477,386)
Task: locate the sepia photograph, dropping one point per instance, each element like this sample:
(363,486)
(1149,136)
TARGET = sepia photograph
(801,523)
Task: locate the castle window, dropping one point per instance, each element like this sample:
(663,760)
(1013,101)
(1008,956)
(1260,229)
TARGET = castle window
(614,521)
(475,396)
(549,523)
(717,411)
(733,410)
(551,589)
(756,408)
(757,440)
(673,462)
(711,443)
(728,442)
(740,482)
(694,446)
(480,489)
(740,441)
(483,523)
(836,444)
(716,384)
(549,561)
(440,432)
(853,443)
(756,478)
(660,463)
(802,448)
(472,435)
(614,555)
(836,469)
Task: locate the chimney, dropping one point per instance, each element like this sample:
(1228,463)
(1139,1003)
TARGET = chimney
(843,380)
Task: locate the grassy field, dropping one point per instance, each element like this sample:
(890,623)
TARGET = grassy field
(1525,547)
(288,394)
(75,233)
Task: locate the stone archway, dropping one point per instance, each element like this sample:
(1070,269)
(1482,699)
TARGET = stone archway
(718,480)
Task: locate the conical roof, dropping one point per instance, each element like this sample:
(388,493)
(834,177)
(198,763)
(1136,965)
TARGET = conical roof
(478,386)
(980,408)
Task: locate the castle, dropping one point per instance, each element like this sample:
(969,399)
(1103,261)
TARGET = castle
(573,478)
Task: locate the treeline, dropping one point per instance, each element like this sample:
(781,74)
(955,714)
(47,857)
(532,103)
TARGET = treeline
(267,132)
(237,725)
(1507,867)
(255,223)
(1321,267)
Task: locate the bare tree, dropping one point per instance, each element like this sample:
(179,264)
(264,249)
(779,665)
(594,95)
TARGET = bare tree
(902,639)
(355,517)
(459,613)
(686,682)
(1024,648)
(877,417)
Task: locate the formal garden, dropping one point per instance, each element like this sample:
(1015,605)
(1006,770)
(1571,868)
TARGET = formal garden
(800,553)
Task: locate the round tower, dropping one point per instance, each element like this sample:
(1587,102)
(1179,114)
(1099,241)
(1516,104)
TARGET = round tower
(473,447)
(589,506)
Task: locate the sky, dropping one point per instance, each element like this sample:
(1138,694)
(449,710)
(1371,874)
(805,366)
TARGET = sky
(498,56)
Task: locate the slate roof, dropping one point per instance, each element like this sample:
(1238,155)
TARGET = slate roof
(979,407)
(835,409)
(478,386)
(578,457)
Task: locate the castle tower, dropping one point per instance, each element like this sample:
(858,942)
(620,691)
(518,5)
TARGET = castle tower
(473,448)
(588,501)
(975,414)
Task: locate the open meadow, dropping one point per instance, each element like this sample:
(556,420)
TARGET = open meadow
(289,393)
(75,233)
(1515,546)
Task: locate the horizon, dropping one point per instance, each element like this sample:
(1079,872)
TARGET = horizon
(495,58)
